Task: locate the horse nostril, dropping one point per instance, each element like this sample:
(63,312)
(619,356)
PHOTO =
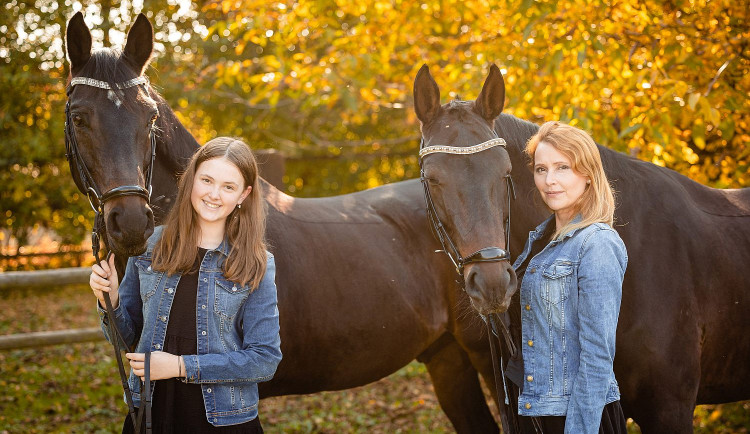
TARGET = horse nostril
(472,281)
(112,226)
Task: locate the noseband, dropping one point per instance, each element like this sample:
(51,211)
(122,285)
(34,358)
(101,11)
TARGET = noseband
(85,183)
(486,254)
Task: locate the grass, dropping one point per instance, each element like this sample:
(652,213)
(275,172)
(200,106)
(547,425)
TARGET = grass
(75,388)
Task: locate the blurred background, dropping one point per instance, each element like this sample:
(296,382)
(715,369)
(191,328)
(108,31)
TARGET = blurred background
(328,84)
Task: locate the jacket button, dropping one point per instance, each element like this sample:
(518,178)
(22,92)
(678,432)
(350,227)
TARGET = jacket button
(149,268)
(203,306)
(170,290)
(234,289)
(208,390)
(203,333)
(529,378)
(157,346)
(528,405)
(530,342)
(528,307)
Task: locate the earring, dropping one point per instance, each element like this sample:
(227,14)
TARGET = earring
(239,205)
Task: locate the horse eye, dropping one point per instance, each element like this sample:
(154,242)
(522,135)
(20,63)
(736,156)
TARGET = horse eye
(77,120)
(433,181)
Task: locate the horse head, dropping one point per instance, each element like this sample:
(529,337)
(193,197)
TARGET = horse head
(466,177)
(110,131)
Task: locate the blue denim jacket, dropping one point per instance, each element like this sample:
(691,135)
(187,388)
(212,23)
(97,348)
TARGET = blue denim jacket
(238,330)
(570,303)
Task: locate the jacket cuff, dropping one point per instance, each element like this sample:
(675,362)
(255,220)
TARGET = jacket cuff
(102,311)
(192,369)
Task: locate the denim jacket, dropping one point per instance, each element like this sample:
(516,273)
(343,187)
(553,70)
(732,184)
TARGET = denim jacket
(238,330)
(570,303)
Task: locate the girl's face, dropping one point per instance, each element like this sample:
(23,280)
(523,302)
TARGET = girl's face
(217,189)
(559,185)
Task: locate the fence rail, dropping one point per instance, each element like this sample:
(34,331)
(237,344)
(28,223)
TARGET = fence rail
(41,339)
(47,278)
(44,278)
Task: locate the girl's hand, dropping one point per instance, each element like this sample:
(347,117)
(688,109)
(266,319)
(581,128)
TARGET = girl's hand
(163,365)
(104,279)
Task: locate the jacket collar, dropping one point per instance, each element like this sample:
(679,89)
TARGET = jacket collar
(224,247)
(539,231)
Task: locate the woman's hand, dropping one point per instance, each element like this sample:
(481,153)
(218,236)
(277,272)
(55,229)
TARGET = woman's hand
(104,279)
(163,365)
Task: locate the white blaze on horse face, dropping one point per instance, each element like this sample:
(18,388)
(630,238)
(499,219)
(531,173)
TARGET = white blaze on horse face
(557,182)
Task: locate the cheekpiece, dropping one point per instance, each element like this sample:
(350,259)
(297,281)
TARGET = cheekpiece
(461,150)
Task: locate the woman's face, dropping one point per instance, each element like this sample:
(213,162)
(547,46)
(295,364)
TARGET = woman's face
(218,187)
(559,185)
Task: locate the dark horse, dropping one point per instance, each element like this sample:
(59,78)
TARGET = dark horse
(361,291)
(686,296)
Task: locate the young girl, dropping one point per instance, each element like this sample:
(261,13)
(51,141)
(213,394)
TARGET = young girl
(570,274)
(202,299)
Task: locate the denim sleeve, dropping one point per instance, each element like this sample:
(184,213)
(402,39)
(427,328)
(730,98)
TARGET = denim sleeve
(600,274)
(129,313)
(261,346)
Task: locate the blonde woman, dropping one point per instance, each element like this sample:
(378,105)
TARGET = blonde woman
(570,276)
(202,299)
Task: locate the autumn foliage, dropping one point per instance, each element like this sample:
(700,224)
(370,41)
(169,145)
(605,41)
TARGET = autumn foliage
(329,83)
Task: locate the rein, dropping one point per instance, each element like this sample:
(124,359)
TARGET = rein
(486,254)
(85,183)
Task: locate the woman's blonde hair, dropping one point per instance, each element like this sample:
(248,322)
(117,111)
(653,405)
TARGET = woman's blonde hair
(245,229)
(597,203)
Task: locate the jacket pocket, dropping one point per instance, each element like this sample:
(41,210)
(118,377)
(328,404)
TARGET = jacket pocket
(557,281)
(229,297)
(149,279)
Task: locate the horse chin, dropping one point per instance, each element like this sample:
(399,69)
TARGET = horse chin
(127,250)
(484,309)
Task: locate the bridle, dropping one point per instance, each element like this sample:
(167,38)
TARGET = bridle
(495,324)
(85,183)
(81,174)
(486,254)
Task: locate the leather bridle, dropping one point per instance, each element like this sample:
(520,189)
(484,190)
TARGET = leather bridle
(496,325)
(486,254)
(85,183)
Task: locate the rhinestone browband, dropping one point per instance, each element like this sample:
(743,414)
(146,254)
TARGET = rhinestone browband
(461,151)
(104,85)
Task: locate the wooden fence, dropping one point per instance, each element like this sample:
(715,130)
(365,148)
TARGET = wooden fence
(46,278)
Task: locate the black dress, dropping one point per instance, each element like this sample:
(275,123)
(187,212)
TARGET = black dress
(178,407)
(613,419)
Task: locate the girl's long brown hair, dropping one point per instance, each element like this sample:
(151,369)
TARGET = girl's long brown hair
(597,203)
(176,250)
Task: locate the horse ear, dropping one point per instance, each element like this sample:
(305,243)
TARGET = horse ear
(426,95)
(77,43)
(490,102)
(140,44)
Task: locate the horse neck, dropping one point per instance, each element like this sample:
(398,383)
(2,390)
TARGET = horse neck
(527,210)
(174,148)
(175,144)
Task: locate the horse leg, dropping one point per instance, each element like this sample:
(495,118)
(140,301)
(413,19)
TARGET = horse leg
(457,387)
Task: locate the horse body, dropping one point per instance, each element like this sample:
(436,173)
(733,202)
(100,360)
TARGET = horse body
(361,292)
